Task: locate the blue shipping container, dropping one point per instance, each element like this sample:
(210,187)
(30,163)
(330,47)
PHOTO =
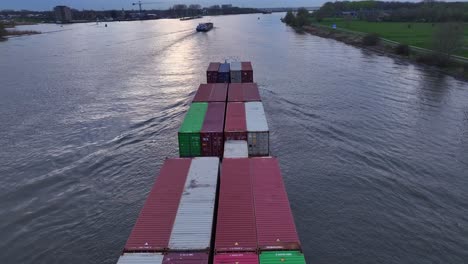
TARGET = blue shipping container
(224,73)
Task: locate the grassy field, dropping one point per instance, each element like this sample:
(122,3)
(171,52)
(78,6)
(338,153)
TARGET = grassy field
(419,34)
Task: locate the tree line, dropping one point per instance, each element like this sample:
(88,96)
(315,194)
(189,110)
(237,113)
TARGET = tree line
(425,11)
(300,19)
(178,10)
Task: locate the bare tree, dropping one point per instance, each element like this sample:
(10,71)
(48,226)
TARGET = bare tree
(447,39)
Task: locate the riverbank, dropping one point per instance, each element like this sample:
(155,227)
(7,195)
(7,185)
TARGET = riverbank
(8,31)
(457,69)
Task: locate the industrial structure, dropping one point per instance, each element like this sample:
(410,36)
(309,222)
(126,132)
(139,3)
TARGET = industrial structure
(63,14)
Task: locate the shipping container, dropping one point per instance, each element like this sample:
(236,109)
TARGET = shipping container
(243,92)
(280,257)
(186,258)
(153,227)
(141,258)
(235,227)
(212,132)
(212,72)
(211,92)
(236,149)
(258,136)
(189,133)
(247,72)
(224,73)
(236,72)
(275,223)
(192,228)
(235,127)
(236,258)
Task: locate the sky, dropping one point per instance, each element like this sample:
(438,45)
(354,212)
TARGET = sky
(161,4)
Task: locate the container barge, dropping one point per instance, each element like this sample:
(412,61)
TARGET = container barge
(204,27)
(223,200)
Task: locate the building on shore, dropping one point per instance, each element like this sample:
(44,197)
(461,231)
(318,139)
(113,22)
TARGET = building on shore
(63,14)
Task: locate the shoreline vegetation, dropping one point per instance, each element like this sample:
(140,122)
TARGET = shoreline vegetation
(440,44)
(7,31)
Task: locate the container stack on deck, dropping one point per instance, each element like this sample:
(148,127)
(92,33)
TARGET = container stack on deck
(253,221)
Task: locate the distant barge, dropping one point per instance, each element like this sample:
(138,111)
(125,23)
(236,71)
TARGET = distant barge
(190,18)
(224,200)
(204,27)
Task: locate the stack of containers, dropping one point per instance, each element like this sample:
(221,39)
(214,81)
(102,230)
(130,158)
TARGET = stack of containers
(236,231)
(247,121)
(254,219)
(212,72)
(189,132)
(211,92)
(201,133)
(257,183)
(247,72)
(224,73)
(212,136)
(236,72)
(275,224)
(243,92)
(175,224)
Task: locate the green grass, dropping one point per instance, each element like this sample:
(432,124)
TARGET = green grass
(419,34)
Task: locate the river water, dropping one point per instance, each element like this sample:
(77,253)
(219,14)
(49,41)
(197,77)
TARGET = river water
(374,151)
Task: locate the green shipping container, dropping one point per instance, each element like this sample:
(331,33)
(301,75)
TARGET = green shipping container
(189,133)
(279,257)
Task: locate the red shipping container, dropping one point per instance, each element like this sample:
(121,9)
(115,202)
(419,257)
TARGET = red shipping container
(236,124)
(243,92)
(275,224)
(236,258)
(153,227)
(186,258)
(247,72)
(212,136)
(235,227)
(211,92)
(212,72)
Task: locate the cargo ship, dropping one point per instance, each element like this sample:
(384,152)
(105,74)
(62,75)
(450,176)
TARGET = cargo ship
(223,200)
(190,18)
(204,27)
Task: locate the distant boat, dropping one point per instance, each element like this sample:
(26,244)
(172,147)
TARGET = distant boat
(190,18)
(266,12)
(204,27)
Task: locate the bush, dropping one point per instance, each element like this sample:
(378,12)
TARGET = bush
(434,59)
(302,17)
(371,39)
(2,31)
(290,19)
(402,49)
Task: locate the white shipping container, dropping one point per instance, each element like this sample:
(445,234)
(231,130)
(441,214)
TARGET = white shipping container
(236,66)
(236,149)
(257,129)
(194,220)
(236,72)
(141,258)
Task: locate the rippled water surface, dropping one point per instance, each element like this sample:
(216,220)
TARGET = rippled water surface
(374,151)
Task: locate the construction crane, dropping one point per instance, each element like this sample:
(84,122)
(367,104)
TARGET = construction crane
(144,3)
